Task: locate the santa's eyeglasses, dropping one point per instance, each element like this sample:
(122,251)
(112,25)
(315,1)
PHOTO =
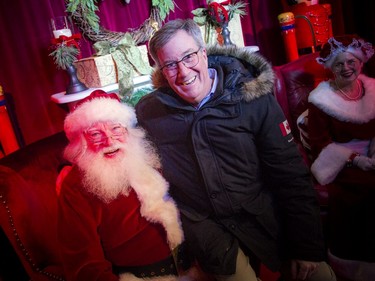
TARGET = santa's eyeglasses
(99,136)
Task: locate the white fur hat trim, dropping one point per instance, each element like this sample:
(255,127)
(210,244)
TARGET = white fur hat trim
(100,109)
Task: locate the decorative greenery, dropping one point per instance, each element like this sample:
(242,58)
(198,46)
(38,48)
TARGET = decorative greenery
(83,13)
(88,8)
(64,55)
(164,6)
(136,96)
(202,16)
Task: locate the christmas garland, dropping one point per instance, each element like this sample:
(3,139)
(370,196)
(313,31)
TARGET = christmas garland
(84,15)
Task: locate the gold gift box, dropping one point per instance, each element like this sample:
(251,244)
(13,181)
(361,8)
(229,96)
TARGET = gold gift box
(97,71)
(100,71)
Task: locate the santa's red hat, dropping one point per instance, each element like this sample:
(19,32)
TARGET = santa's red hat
(98,107)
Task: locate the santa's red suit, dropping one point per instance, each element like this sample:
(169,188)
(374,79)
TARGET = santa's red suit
(101,239)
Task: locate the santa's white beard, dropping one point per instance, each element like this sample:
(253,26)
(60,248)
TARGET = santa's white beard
(108,177)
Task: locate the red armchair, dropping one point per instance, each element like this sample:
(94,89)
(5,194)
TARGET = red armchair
(28,209)
(294,81)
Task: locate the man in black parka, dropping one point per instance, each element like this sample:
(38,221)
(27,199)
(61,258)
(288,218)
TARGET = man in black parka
(235,173)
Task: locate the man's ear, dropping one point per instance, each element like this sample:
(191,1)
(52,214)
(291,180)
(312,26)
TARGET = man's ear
(204,53)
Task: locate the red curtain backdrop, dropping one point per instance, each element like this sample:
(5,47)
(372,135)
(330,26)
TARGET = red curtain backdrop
(29,74)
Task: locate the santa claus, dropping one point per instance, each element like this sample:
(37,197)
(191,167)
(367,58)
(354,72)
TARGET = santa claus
(116,219)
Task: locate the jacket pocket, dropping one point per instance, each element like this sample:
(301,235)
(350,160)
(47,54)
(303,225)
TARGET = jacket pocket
(264,212)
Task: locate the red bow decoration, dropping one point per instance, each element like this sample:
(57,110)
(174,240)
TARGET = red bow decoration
(68,41)
(218,11)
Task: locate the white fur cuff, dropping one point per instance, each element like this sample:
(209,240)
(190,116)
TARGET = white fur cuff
(330,162)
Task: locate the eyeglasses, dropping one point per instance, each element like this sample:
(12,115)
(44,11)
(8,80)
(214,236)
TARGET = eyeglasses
(189,61)
(97,136)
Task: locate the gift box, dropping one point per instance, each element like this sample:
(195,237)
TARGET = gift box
(100,71)
(144,57)
(97,71)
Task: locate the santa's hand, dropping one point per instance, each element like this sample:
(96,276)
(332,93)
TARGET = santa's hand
(364,163)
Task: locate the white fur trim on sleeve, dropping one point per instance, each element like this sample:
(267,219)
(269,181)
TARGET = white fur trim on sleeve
(330,162)
(156,205)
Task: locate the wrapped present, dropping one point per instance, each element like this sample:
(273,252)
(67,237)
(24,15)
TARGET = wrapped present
(102,70)
(97,71)
(130,60)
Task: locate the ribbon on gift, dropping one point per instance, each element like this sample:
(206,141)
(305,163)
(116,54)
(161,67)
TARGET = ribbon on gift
(128,58)
(69,41)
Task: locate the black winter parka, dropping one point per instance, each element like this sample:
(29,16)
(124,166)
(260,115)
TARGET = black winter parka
(233,167)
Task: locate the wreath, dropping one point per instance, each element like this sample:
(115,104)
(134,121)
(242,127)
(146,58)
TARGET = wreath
(84,15)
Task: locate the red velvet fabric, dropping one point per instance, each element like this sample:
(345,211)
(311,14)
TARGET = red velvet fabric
(95,235)
(295,81)
(28,208)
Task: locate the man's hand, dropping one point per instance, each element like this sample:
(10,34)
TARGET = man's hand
(302,270)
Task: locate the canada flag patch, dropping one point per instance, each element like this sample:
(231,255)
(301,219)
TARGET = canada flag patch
(285,128)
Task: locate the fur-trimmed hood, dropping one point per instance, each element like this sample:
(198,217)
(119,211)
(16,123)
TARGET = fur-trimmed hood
(255,70)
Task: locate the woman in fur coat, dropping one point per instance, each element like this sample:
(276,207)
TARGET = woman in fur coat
(341,127)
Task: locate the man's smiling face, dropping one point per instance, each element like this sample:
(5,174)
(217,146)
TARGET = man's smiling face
(191,83)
